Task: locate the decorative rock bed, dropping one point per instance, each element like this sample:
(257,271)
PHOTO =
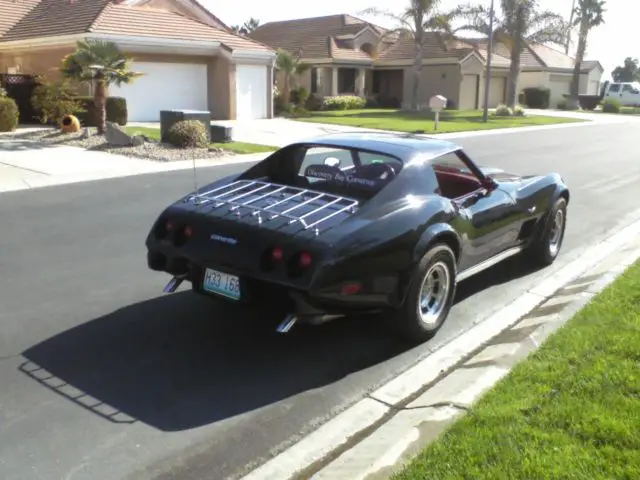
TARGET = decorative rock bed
(117,141)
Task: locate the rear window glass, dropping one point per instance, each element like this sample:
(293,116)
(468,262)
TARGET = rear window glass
(349,168)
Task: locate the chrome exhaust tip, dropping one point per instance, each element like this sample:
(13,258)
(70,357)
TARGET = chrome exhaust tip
(287,324)
(174,283)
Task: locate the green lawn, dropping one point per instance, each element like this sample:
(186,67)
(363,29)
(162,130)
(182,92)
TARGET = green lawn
(570,411)
(450,120)
(234,147)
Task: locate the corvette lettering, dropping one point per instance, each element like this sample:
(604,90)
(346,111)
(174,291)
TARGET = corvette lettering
(220,238)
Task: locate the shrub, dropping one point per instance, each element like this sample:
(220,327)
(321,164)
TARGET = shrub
(611,106)
(116,111)
(280,105)
(503,111)
(9,114)
(589,102)
(188,134)
(537,97)
(298,96)
(518,111)
(563,105)
(3,93)
(314,102)
(53,101)
(343,102)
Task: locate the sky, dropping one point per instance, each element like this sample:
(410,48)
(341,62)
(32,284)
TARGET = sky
(610,43)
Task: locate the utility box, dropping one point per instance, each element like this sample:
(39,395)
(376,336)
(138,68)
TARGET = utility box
(220,134)
(437,103)
(168,118)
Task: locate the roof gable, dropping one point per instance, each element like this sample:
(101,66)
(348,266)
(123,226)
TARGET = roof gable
(189,8)
(312,37)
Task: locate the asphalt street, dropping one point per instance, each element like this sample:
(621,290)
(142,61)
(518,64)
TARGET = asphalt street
(103,377)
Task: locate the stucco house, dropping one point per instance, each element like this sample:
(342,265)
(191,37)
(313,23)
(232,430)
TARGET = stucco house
(191,59)
(351,56)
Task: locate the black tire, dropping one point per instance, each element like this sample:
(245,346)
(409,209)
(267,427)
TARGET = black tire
(546,246)
(409,320)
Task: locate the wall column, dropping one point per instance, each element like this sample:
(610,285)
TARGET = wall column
(360,82)
(334,81)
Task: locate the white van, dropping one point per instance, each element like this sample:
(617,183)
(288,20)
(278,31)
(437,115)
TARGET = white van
(627,93)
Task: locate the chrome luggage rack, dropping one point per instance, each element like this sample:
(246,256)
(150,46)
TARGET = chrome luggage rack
(261,198)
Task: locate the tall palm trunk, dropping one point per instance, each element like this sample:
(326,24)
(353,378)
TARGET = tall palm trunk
(100,102)
(417,75)
(514,72)
(574,89)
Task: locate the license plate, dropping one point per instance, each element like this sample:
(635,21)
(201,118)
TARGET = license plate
(221,283)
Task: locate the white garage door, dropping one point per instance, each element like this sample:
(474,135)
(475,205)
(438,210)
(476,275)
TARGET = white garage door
(497,91)
(469,92)
(251,92)
(559,86)
(164,86)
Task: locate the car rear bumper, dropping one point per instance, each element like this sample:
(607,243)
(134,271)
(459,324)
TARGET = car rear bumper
(295,300)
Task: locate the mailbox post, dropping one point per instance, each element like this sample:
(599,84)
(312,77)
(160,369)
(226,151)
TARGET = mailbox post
(437,103)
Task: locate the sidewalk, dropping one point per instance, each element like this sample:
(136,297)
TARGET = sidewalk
(25,164)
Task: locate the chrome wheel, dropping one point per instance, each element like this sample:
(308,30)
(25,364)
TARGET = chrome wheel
(434,293)
(555,234)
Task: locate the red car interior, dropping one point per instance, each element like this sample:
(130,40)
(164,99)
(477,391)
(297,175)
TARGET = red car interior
(454,185)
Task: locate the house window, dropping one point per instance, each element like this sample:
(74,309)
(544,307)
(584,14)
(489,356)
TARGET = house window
(314,80)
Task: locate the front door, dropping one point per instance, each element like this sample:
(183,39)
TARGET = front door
(484,217)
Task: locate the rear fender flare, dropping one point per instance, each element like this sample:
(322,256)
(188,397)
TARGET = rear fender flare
(434,234)
(437,233)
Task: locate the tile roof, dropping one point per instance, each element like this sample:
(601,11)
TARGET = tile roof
(404,49)
(55,17)
(309,36)
(11,12)
(68,17)
(148,22)
(320,37)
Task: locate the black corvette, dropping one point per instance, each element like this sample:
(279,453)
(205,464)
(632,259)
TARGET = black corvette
(357,223)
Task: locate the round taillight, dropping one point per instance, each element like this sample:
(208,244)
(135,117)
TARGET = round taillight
(188,231)
(277,254)
(305,259)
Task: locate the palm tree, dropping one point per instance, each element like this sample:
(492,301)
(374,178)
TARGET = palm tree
(290,66)
(589,14)
(246,28)
(521,23)
(103,64)
(418,18)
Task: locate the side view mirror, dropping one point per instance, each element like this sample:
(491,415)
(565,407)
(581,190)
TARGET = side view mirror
(332,161)
(489,183)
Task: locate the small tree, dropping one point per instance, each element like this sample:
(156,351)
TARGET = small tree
(587,16)
(103,64)
(418,18)
(628,72)
(290,66)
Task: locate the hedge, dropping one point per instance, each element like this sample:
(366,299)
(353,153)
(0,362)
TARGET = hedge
(537,97)
(116,111)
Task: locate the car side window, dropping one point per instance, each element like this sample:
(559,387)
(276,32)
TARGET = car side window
(455,179)
(614,88)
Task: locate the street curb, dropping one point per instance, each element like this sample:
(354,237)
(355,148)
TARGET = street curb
(338,436)
(397,452)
